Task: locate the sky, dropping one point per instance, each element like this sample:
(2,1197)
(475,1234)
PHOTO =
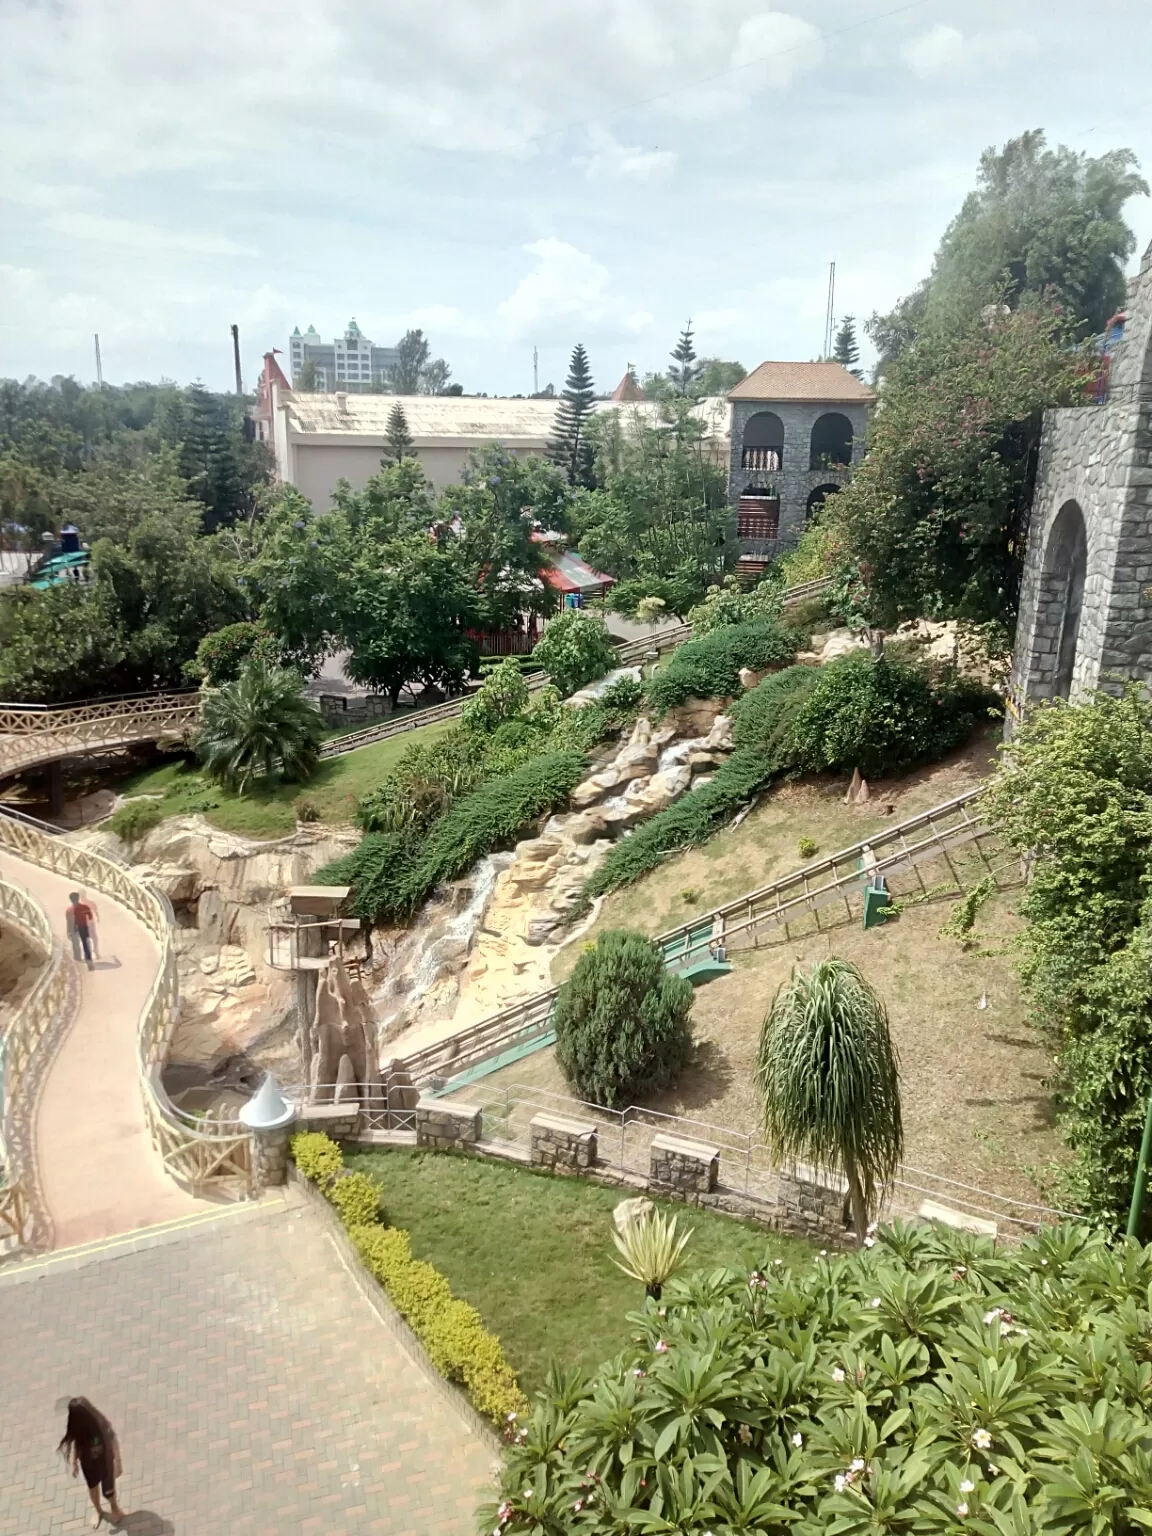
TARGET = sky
(511,174)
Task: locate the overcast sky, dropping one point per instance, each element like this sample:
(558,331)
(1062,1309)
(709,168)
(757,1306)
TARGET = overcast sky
(510,173)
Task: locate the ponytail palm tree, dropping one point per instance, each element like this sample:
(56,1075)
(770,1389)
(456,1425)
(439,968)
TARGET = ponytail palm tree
(259,726)
(830,1080)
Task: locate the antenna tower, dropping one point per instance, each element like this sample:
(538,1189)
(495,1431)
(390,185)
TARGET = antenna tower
(829,321)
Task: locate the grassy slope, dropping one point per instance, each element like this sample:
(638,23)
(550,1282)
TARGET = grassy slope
(264,812)
(534,1253)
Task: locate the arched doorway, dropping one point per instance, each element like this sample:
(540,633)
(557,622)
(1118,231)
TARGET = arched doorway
(817,498)
(831,443)
(1062,594)
(762,445)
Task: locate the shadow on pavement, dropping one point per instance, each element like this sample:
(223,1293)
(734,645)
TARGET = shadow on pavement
(142,1522)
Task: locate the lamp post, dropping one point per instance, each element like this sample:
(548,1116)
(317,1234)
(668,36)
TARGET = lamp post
(269,1116)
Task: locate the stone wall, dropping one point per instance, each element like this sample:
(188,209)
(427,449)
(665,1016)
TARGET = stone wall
(682,1168)
(446,1125)
(350,709)
(1098,458)
(794,480)
(565,1146)
(811,1204)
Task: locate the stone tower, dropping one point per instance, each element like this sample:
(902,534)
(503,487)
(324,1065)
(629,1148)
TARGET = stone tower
(1086,600)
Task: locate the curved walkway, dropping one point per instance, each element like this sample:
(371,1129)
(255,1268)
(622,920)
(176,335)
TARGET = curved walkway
(98,1172)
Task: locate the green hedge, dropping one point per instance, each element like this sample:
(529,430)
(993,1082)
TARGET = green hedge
(391,873)
(709,668)
(931,1385)
(452,1332)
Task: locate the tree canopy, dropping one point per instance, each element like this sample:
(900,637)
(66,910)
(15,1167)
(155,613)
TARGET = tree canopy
(1040,223)
(570,448)
(416,371)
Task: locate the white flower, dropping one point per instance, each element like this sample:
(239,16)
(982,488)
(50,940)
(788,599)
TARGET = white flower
(777,1261)
(857,1465)
(662,1312)
(993,1471)
(967,1485)
(837,1374)
(841,1480)
(527,1494)
(875,1302)
(823,1253)
(1005,1330)
(869,1242)
(797,1440)
(661,1347)
(993,1316)
(636,1371)
(1044,1262)
(961,1510)
(981,1439)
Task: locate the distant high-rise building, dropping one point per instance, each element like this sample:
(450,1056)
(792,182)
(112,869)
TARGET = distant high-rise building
(351,362)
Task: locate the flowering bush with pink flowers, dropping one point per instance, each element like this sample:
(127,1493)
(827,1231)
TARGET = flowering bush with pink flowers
(933,1384)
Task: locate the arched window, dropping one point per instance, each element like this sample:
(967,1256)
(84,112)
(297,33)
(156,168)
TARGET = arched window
(762,446)
(831,442)
(817,498)
(1062,593)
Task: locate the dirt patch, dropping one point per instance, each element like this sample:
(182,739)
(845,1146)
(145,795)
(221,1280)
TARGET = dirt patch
(765,846)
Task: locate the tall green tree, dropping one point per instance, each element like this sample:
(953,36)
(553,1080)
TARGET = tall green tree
(259,727)
(846,352)
(416,371)
(1040,222)
(570,448)
(828,1073)
(684,370)
(933,522)
(717,377)
(397,438)
(208,458)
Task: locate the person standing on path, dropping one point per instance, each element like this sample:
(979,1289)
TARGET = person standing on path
(90,1444)
(79,918)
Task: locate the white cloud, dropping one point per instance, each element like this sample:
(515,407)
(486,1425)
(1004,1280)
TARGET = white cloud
(612,161)
(97,229)
(944,50)
(567,283)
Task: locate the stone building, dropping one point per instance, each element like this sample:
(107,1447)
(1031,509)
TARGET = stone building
(795,429)
(1086,601)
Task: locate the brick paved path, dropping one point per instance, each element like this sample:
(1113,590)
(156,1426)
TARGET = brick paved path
(253,1389)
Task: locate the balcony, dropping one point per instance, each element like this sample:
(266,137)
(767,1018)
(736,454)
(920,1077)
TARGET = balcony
(770,459)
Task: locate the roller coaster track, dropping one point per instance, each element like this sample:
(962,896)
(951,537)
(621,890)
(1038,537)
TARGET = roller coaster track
(823,894)
(33,735)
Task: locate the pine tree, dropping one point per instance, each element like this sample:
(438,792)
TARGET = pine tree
(397,436)
(846,351)
(208,458)
(685,369)
(570,448)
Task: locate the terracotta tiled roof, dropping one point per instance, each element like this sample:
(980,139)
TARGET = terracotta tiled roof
(628,388)
(802,381)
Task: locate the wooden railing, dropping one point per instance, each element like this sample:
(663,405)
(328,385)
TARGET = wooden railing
(770,913)
(23,1036)
(192,1152)
(31,735)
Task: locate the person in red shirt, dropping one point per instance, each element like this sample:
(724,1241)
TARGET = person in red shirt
(79,918)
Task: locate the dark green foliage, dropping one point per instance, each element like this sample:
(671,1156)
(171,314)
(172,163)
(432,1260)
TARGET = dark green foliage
(846,352)
(220,655)
(881,717)
(933,1384)
(575,649)
(624,696)
(397,438)
(621,1021)
(393,872)
(1076,793)
(762,719)
(135,818)
(830,1082)
(709,668)
(691,820)
(570,448)
(259,727)
(685,370)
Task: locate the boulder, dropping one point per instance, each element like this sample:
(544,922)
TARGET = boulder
(212,917)
(749,679)
(719,737)
(840,642)
(179,882)
(235,968)
(695,716)
(586,827)
(702,759)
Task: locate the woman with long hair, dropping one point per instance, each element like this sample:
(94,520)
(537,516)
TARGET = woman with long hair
(90,1444)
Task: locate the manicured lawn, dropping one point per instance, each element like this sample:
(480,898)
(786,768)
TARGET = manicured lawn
(264,812)
(534,1253)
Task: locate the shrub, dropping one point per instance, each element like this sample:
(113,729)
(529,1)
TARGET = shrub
(259,726)
(501,696)
(220,655)
(317,1156)
(306,808)
(807,847)
(574,649)
(375,869)
(135,818)
(621,1021)
(731,603)
(690,821)
(709,668)
(357,1197)
(882,717)
(762,718)
(452,1332)
(623,696)
(932,1384)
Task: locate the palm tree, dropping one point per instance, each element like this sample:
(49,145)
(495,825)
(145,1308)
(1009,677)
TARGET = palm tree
(830,1079)
(259,726)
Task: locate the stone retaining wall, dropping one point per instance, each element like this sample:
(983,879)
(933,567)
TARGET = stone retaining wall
(563,1145)
(811,1204)
(446,1126)
(685,1169)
